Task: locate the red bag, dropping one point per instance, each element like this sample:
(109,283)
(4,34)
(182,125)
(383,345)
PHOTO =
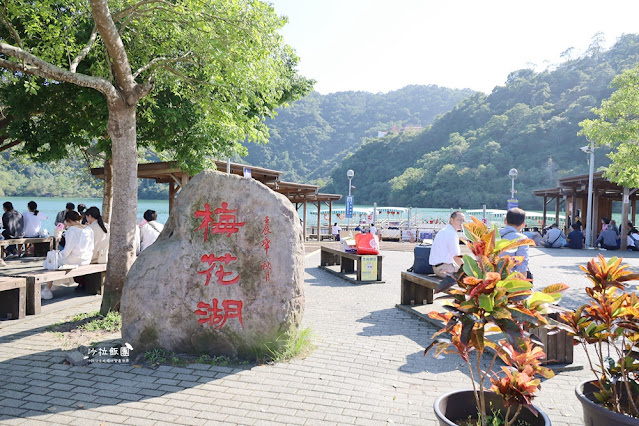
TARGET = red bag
(366,243)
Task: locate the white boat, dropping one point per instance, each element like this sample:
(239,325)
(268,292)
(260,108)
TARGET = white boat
(532,218)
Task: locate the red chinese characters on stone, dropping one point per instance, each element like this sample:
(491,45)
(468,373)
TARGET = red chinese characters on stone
(266,267)
(226,224)
(217,317)
(266,242)
(220,274)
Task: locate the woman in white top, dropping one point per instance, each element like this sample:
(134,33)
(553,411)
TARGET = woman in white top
(78,248)
(633,240)
(32,221)
(100,232)
(150,231)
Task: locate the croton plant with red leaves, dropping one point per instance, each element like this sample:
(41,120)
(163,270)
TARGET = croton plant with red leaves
(487,295)
(609,325)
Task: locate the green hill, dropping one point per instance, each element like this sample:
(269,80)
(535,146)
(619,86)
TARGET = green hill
(312,136)
(463,159)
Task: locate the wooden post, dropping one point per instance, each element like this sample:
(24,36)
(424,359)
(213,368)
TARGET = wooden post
(543,223)
(624,218)
(305,210)
(596,226)
(634,213)
(330,216)
(319,221)
(557,209)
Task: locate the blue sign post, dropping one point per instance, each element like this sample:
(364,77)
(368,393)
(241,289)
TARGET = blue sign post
(349,207)
(513,203)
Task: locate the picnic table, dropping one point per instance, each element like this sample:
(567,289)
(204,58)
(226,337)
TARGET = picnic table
(42,245)
(13,297)
(34,274)
(347,262)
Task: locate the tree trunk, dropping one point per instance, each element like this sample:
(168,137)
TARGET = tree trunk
(122,129)
(107,199)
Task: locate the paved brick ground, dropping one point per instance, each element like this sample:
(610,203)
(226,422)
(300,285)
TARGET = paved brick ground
(367,367)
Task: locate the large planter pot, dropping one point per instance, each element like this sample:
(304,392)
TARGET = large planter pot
(595,414)
(459,405)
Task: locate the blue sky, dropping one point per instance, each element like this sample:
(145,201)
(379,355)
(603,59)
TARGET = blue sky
(384,45)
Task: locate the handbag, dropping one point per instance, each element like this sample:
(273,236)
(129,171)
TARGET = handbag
(366,244)
(51,262)
(548,244)
(103,256)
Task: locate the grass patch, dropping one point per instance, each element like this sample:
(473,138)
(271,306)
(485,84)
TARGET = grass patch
(111,322)
(294,344)
(87,329)
(156,357)
(89,321)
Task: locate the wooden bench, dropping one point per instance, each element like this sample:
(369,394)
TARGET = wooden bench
(35,275)
(347,262)
(42,245)
(418,288)
(13,297)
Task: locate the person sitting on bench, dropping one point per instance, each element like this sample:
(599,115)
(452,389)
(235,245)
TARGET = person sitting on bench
(78,249)
(445,255)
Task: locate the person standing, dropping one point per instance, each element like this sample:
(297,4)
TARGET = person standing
(335,231)
(515,221)
(445,254)
(372,229)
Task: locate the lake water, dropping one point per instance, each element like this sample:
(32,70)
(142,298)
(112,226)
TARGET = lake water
(50,206)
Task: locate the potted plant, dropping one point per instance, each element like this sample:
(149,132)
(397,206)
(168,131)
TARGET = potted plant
(486,295)
(608,329)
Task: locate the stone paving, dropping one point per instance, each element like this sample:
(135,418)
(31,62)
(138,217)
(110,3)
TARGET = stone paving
(367,367)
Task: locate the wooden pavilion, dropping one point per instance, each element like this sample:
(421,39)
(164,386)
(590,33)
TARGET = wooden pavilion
(572,194)
(300,195)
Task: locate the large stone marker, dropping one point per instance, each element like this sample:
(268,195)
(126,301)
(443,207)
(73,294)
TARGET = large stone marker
(225,276)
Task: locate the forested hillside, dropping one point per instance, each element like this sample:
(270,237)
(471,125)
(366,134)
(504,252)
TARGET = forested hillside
(462,160)
(312,136)
(66,178)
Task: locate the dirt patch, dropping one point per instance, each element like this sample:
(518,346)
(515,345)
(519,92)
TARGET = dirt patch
(72,335)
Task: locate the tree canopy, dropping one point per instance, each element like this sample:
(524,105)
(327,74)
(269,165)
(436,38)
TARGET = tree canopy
(222,58)
(617,126)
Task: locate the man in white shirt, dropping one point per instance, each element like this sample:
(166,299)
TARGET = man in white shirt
(373,230)
(445,254)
